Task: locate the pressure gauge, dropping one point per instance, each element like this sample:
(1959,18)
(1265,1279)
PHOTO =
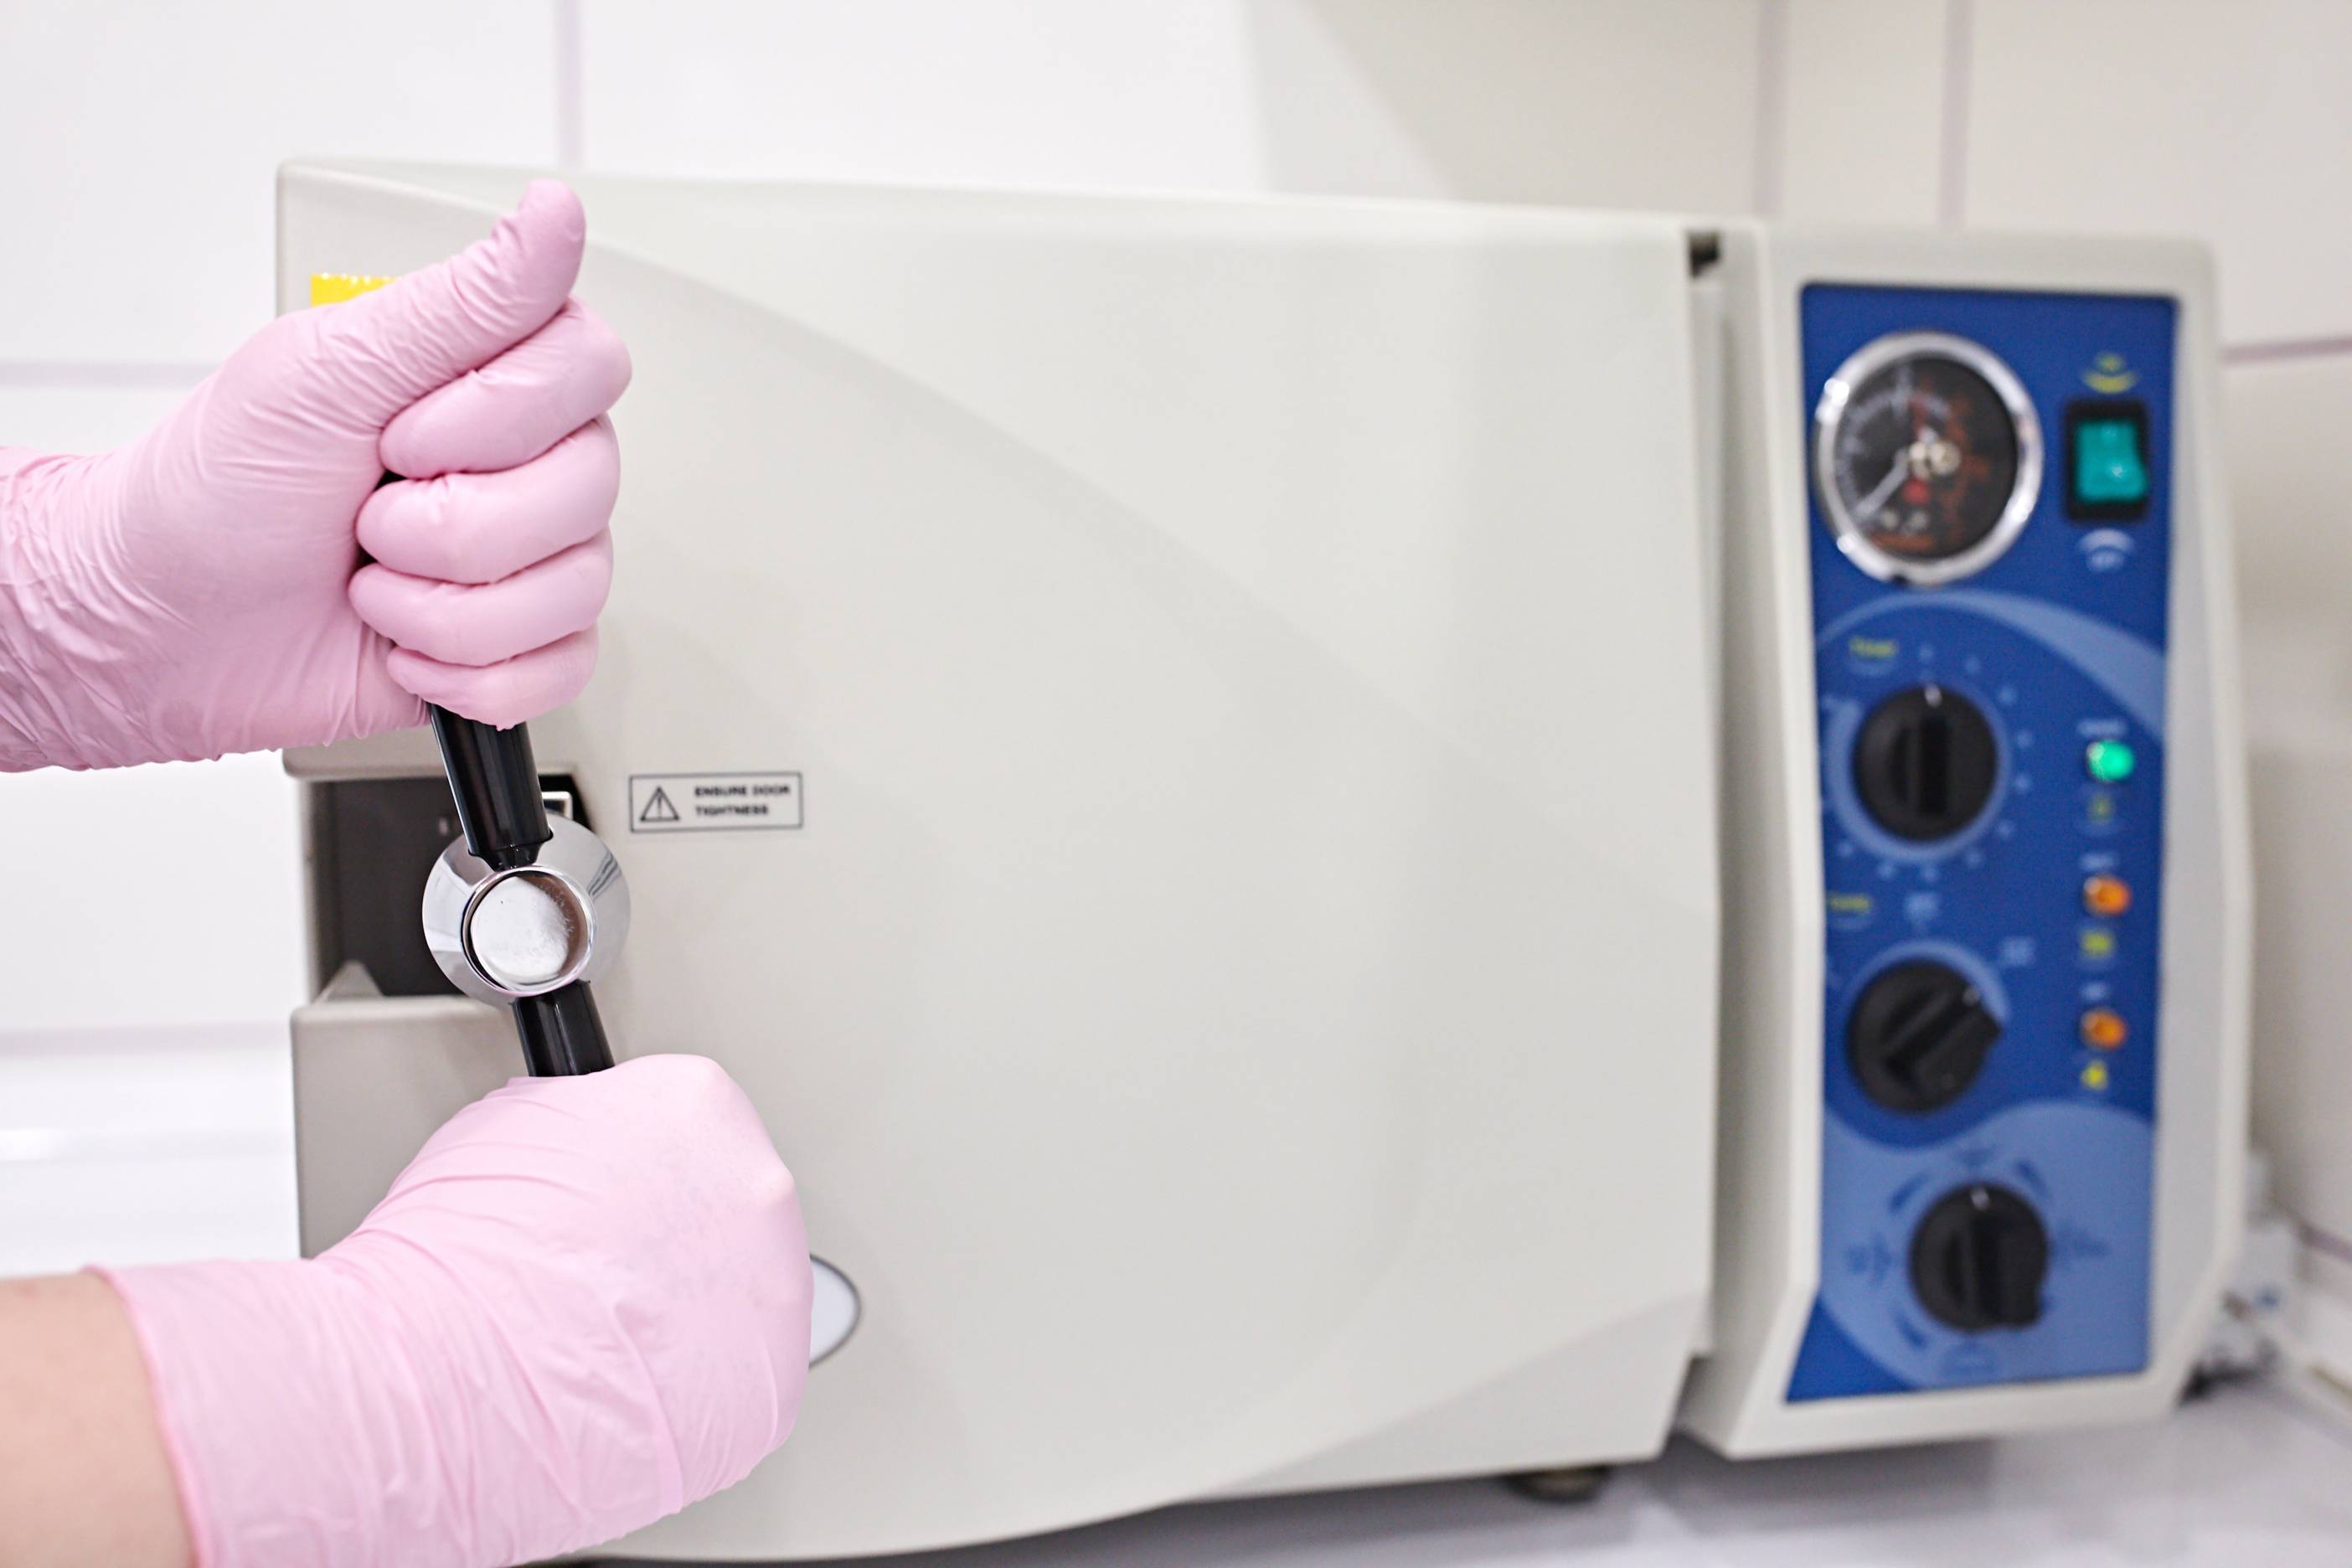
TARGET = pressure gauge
(1928,458)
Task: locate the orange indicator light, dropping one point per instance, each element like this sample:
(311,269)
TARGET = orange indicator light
(2107,896)
(2103,1029)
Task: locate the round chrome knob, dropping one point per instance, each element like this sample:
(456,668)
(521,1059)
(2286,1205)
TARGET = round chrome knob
(528,930)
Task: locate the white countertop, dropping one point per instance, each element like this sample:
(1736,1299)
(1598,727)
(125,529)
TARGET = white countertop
(2251,1475)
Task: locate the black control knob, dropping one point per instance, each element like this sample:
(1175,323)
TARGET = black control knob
(1925,763)
(1980,1257)
(1918,1037)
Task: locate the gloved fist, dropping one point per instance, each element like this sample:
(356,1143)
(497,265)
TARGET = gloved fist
(584,1305)
(200,590)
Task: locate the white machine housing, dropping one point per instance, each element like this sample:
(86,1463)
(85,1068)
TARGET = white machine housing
(1264,706)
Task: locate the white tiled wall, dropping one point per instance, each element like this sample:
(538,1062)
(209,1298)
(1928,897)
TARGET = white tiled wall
(2290,452)
(1054,93)
(141,140)
(1862,119)
(1603,102)
(2225,120)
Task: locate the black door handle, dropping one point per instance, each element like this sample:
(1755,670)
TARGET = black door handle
(494,778)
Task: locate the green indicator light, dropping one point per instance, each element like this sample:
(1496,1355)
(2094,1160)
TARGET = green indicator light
(2110,762)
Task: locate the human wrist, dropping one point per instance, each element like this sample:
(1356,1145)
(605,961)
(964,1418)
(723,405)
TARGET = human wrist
(83,1473)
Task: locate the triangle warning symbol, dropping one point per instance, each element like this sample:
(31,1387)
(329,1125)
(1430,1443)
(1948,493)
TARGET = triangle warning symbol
(658,809)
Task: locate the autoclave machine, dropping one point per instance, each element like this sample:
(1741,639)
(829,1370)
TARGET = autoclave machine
(1349,841)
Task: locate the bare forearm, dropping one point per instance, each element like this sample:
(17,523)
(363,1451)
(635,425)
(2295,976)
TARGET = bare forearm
(83,1476)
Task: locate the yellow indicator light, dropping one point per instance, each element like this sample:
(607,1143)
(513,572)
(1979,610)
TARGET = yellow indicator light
(2110,375)
(2095,1076)
(334,287)
(2098,943)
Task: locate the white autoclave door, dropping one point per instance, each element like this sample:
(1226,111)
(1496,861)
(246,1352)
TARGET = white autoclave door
(1236,979)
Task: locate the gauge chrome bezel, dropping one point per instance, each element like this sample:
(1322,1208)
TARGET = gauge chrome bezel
(1853,537)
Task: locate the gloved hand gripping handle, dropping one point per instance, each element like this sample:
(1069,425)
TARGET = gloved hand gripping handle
(495,780)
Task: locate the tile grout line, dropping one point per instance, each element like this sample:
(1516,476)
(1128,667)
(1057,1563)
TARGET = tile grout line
(2276,351)
(1952,173)
(1772,107)
(570,95)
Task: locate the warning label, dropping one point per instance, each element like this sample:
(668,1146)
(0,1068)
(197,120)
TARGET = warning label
(713,803)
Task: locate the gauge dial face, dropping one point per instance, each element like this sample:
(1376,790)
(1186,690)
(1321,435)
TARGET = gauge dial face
(1928,458)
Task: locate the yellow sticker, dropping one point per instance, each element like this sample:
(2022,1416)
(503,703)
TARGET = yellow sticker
(334,287)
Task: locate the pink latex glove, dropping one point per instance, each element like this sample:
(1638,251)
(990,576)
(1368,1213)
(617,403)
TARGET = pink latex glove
(585,1305)
(201,592)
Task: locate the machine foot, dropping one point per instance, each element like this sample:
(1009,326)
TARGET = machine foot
(1574,1484)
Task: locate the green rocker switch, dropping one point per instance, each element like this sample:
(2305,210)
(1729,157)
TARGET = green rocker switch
(2106,445)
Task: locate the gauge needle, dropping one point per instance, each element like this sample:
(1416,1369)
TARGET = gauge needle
(1886,486)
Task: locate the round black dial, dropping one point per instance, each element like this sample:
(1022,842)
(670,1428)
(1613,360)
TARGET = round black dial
(1929,456)
(1980,1257)
(1926,763)
(1919,1035)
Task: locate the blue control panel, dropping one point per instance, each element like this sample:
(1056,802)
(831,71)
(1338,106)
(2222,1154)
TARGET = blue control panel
(1990,539)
